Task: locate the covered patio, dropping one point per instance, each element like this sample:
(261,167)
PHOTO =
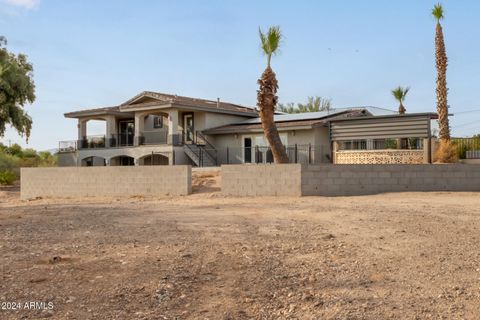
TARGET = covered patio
(389,139)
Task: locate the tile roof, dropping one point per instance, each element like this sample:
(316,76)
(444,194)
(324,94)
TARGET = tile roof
(190,102)
(93,111)
(208,105)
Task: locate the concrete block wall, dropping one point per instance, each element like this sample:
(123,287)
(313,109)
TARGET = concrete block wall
(346,180)
(105,181)
(262,180)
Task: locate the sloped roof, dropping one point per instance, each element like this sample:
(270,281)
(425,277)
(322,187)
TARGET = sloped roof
(188,102)
(305,120)
(95,111)
(150,98)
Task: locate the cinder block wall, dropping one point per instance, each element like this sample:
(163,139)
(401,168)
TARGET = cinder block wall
(105,181)
(262,180)
(344,180)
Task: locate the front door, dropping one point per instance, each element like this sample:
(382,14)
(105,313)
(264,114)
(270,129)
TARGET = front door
(188,133)
(247,150)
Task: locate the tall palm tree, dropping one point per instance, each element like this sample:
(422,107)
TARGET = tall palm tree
(315,104)
(399,93)
(267,93)
(441,64)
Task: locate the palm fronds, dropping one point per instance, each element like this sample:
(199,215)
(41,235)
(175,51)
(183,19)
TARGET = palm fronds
(437,12)
(270,42)
(399,93)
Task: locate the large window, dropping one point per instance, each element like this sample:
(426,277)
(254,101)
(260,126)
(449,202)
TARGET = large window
(382,144)
(353,145)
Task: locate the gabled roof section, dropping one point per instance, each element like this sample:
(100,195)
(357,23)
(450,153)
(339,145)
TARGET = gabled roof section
(150,98)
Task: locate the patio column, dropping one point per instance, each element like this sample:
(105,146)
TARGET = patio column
(82,128)
(139,127)
(334,152)
(427,150)
(173,132)
(111,128)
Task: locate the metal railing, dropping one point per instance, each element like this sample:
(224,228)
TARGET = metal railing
(121,140)
(154,137)
(67,146)
(91,142)
(305,154)
(467,148)
(201,140)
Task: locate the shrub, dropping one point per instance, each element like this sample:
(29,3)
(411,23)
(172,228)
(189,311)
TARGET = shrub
(446,152)
(7,176)
(8,162)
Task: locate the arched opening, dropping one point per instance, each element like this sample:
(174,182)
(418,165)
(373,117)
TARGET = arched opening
(122,161)
(155,128)
(93,162)
(154,159)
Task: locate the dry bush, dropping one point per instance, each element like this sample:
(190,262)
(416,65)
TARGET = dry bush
(446,152)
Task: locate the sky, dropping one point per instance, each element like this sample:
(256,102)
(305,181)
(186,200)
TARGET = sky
(101,53)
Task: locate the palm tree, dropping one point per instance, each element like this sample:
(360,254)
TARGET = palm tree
(441,63)
(287,108)
(267,93)
(399,94)
(315,104)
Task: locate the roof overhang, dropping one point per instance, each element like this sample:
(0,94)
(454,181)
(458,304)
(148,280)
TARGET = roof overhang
(430,115)
(413,125)
(95,113)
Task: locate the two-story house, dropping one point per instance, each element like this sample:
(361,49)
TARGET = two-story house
(163,129)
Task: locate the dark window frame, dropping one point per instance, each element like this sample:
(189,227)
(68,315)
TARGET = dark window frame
(157,122)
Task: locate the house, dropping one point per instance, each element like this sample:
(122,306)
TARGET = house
(163,129)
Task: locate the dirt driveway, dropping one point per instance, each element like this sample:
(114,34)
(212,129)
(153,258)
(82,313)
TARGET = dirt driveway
(391,256)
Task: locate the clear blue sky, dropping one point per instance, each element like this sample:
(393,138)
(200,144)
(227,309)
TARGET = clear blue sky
(101,53)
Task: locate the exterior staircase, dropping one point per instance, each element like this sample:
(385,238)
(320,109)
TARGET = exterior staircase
(200,155)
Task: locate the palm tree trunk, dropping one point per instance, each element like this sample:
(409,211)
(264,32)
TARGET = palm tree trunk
(442,104)
(266,101)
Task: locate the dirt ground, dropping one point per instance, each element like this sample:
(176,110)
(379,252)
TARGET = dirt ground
(205,256)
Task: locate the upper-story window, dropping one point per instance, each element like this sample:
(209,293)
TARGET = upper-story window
(158,122)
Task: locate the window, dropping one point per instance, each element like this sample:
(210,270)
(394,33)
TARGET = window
(158,122)
(353,145)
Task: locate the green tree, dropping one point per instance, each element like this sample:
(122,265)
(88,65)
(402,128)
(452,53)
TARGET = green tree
(399,93)
(16,90)
(287,108)
(15,150)
(314,104)
(267,93)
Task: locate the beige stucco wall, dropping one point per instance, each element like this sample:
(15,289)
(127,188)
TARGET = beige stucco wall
(134,152)
(221,142)
(67,159)
(148,122)
(105,181)
(213,120)
(322,150)
(317,138)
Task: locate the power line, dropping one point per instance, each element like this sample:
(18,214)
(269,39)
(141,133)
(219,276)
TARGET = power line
(467,111)
(466,124)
